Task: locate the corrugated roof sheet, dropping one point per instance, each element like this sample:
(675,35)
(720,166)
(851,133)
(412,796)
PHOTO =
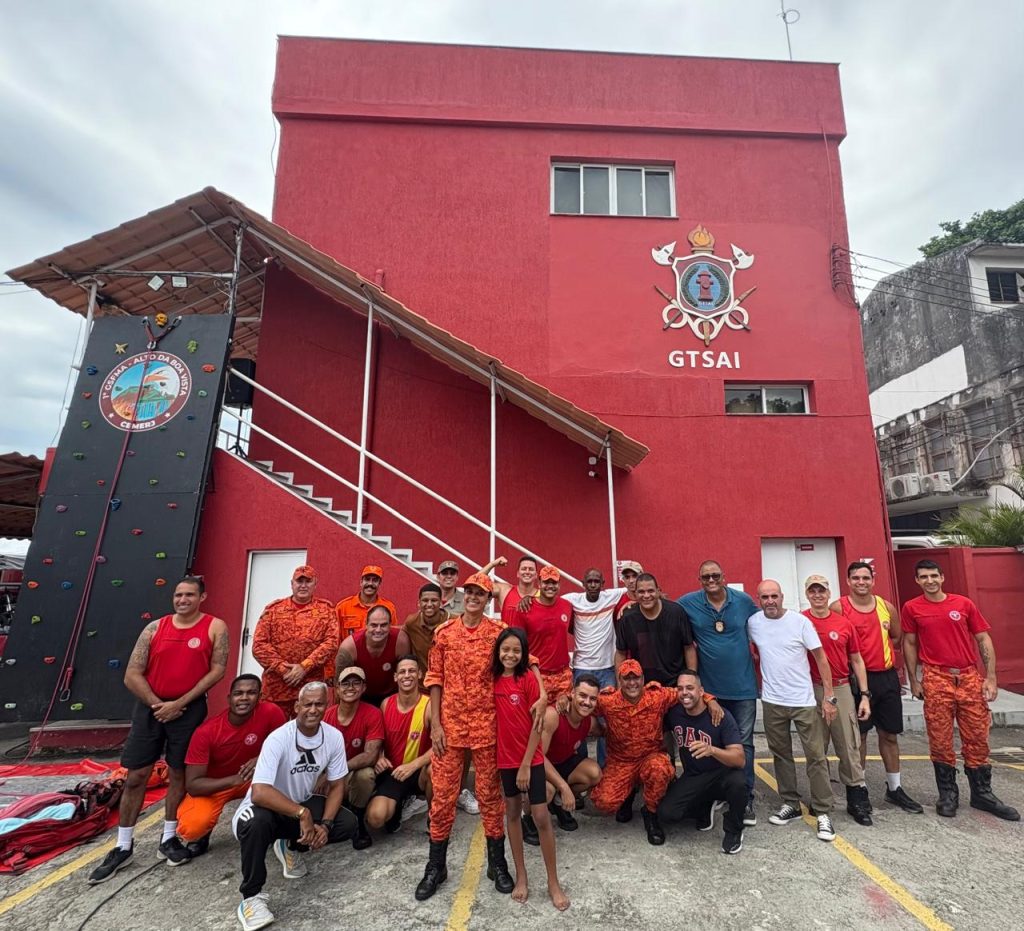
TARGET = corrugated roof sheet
(197,233)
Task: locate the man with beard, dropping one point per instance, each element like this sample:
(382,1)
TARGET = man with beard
(352,611)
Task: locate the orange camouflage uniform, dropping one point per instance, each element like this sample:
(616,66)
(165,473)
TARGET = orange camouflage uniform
(288,633)
(634,740)
(352,614)
(460,662)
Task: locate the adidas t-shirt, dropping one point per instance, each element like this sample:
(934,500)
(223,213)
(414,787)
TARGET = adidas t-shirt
(292,763)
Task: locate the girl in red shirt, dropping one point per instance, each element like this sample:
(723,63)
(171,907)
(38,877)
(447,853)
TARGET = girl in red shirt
(520,759)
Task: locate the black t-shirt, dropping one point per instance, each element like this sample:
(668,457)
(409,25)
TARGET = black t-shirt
(686,728)
(656,645)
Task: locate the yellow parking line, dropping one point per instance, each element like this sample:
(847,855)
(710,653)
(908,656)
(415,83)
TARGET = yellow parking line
(893,889)
(19,898)
(1011,765)
(909,759)
(465,895)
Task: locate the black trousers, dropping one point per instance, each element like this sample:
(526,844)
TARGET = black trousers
(263,826)
(688,796)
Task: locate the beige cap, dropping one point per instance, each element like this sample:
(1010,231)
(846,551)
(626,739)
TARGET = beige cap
(816,580)
(351,671)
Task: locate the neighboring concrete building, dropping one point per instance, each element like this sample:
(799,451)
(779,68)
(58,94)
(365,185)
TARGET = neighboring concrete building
(944,344)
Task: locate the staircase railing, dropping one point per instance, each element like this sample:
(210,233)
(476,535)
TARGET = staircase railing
(360,489)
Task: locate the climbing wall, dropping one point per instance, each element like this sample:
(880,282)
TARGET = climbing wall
(118,522)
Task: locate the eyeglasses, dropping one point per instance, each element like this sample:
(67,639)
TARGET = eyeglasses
(711,577)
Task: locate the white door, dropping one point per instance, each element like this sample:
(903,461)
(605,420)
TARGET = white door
(790,561)
(270,576)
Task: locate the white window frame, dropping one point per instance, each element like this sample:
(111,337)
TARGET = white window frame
(764,412)
(613,192)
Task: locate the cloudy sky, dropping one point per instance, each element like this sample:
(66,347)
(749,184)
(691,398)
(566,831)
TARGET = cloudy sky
(110,109)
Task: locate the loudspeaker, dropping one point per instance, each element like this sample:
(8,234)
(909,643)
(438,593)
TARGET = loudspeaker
(239,393)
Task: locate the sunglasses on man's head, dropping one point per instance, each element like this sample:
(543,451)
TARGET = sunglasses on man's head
(711,577)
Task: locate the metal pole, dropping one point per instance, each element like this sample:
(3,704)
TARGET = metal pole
(611,507)
(90,314)
(366,417)
(494,461)
(233,288)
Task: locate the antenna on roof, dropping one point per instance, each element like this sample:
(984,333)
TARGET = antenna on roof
(788,17)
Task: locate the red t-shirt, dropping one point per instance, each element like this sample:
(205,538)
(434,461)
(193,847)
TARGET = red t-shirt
(872,634)
(624,602)
(178,657)
(566,739)
(380,670)
(945,630)
(366,724)
(513,699)
(403,742)
(223,748)
(838,640)
(547,633)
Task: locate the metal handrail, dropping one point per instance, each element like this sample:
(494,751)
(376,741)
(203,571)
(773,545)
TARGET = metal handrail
(344,481)
(387,465)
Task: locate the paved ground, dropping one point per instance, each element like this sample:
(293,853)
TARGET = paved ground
(905,872)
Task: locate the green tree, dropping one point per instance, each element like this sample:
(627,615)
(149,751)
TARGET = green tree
(991,225)
(991,525)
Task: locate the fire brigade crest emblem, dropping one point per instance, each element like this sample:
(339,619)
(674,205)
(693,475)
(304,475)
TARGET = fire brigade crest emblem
(705,298)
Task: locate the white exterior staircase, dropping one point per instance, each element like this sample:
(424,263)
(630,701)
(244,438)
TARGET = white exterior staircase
(344,519)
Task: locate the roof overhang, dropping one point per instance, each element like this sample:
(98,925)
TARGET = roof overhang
(19,494)
(195,238)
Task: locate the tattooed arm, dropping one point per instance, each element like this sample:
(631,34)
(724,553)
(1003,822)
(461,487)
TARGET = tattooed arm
(346,656)
(988,656)
(135,673)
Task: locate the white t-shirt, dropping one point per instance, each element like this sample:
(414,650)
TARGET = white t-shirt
(291,762)
(783,644)
(594,628)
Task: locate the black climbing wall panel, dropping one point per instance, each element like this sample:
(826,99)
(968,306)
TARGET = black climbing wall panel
(135,450)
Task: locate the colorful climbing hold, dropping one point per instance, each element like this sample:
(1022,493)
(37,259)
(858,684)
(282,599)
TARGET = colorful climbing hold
(67,585)
(10,705)
(114,663)
(91,370)
(101,482)
(154,481)
(192,345)
(61,508)
(86,424)
(10,662)
(77,455)
(136,532)
(48,561)
(201,393)
(162,429)
(115,503)
(160,555)
(101,560)
(180,454)
(130,452)
(77,706)
(32,584)
(190,416)
(86,395)
(160,582)
(80,533)
(161,319)
(120,348)
(117,583)
(172,506)
(91,633)
(209,368)
(36,619)
(49,660)
(146,616)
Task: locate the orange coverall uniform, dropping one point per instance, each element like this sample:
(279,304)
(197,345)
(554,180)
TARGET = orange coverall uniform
(634,739)
(460,662)
(290,633)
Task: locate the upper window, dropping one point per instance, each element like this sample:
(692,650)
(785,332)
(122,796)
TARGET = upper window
(1002,286)
(613,190)
(766,399)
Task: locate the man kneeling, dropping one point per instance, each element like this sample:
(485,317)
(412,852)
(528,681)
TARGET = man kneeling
(713,760)
(403,770)
(279,808)
(568,769)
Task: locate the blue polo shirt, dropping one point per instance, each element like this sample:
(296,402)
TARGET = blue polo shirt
(726,666)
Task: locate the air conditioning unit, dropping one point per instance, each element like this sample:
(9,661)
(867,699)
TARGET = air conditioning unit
(936,481)
(903,486)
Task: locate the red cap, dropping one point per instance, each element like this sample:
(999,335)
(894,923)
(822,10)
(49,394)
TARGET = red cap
(630,667)
(549,574)
(372,570)
(480,580)
(304,571)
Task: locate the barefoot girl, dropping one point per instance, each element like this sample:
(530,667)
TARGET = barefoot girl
(520,760)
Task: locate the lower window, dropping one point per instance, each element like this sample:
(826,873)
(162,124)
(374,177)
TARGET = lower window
(766,399)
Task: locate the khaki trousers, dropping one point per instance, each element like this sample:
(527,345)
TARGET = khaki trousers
(844,733)
(778,722)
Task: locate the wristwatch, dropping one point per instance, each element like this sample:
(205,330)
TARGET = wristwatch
(327,823)
(832,700)
(865,695)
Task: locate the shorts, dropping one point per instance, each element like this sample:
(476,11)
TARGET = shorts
(565,768)
(148,739)
(886,702)
(538,790)
(399,790)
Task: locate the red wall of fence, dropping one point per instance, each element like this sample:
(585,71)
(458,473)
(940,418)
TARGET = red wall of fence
(993,578)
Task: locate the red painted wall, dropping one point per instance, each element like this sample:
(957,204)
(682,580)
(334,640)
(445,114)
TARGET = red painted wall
(432,164)
(245,511)
(993,578)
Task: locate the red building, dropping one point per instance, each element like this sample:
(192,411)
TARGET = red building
(568,256)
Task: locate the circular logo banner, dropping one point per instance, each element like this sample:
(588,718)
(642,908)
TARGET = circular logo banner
(145,391)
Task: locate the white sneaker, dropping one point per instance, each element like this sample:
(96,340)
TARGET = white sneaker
(253,912)
(414,806)
(468,803)
(292,866)
(825,830)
